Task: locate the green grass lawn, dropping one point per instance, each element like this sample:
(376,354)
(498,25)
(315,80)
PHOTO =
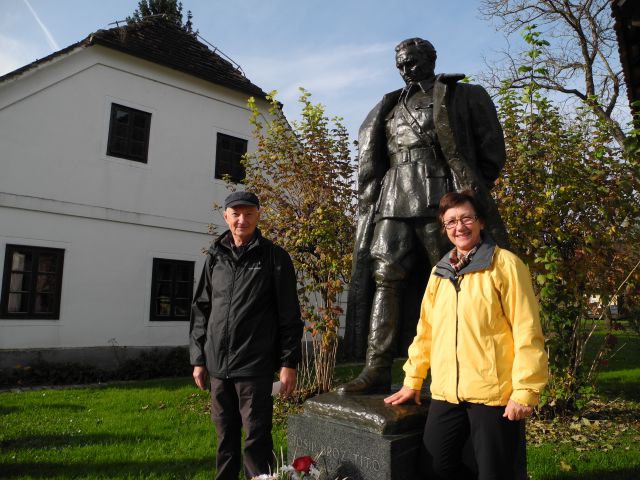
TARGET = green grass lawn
(161,429)
(154,429)
(604,442)
(620,377)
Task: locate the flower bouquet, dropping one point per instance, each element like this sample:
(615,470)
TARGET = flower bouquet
(302,468)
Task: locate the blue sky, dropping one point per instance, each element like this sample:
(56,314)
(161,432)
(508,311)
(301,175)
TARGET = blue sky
(341,51)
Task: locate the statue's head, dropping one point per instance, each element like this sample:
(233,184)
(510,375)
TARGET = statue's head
(416,60)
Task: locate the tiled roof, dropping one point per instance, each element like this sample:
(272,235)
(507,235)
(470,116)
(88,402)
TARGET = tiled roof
(160,41)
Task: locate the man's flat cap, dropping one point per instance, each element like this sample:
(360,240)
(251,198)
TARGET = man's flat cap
(241,198)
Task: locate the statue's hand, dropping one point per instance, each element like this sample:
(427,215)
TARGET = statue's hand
(404,395)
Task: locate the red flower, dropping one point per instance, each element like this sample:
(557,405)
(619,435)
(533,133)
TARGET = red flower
(303,464)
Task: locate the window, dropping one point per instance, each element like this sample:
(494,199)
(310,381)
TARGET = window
(129,133)
(229,152)
(171,289)
(32,282)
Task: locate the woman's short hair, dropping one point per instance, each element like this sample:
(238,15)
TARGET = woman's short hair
(455,199)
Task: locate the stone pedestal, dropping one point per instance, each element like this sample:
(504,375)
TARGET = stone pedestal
(362,438)
(359,436)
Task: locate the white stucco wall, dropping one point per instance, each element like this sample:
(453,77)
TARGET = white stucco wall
(106,283)
(58,188)
(54,126)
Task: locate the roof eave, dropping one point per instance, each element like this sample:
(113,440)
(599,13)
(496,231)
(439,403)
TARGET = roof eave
(15,74)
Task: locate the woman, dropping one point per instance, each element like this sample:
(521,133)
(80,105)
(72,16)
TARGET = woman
(479,333)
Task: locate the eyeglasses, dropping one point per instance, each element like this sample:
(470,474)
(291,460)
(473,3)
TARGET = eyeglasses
(466,221)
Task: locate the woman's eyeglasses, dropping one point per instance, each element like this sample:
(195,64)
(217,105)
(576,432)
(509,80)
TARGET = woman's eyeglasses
(466,221)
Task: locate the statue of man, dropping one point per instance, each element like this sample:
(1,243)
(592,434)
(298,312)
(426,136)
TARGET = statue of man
(431,137)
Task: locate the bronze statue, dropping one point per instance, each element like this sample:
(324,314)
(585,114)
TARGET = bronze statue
(431,137)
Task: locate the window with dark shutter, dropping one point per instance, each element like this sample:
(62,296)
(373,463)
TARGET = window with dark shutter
(32,282)
(229,153)
(129,133)
(171,289)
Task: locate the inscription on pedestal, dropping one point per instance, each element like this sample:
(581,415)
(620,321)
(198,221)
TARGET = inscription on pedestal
(332,452)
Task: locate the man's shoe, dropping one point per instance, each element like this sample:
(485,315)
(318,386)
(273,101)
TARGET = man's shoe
(370,380)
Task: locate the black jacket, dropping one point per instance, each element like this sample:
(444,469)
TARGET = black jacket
(245,316)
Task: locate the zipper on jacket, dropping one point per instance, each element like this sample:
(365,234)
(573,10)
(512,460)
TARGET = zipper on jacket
(226,326)
(456,284)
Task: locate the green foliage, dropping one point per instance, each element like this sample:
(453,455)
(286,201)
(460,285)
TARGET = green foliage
(171,9)
(632,142)
(283,407)
(304,178)
(570,199)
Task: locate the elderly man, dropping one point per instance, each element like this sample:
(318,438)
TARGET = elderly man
(245,324)
(431,137)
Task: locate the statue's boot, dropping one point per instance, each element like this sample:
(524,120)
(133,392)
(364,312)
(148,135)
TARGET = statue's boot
(376,375)
(370,380)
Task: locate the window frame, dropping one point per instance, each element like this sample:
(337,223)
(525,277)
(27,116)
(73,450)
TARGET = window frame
(232,166)
(128,139)
(56,293)
(155,282)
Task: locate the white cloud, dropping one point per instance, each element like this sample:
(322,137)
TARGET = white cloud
(329,72)
(326,82)
(347,79)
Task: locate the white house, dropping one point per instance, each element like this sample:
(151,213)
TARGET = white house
(111,154)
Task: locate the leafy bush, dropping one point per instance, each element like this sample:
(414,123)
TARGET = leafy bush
(568,196)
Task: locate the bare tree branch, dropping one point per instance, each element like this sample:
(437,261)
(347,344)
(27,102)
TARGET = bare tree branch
(579,59)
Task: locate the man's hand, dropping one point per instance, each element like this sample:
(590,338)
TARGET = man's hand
(200,375)
(287,381)
(515,411)
(404,395)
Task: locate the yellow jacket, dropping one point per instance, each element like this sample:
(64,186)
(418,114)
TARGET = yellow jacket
(480,333)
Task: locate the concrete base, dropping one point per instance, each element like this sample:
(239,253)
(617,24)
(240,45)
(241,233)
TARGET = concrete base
(107,358)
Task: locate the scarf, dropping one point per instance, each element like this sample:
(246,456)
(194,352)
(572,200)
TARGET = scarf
(459,262)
